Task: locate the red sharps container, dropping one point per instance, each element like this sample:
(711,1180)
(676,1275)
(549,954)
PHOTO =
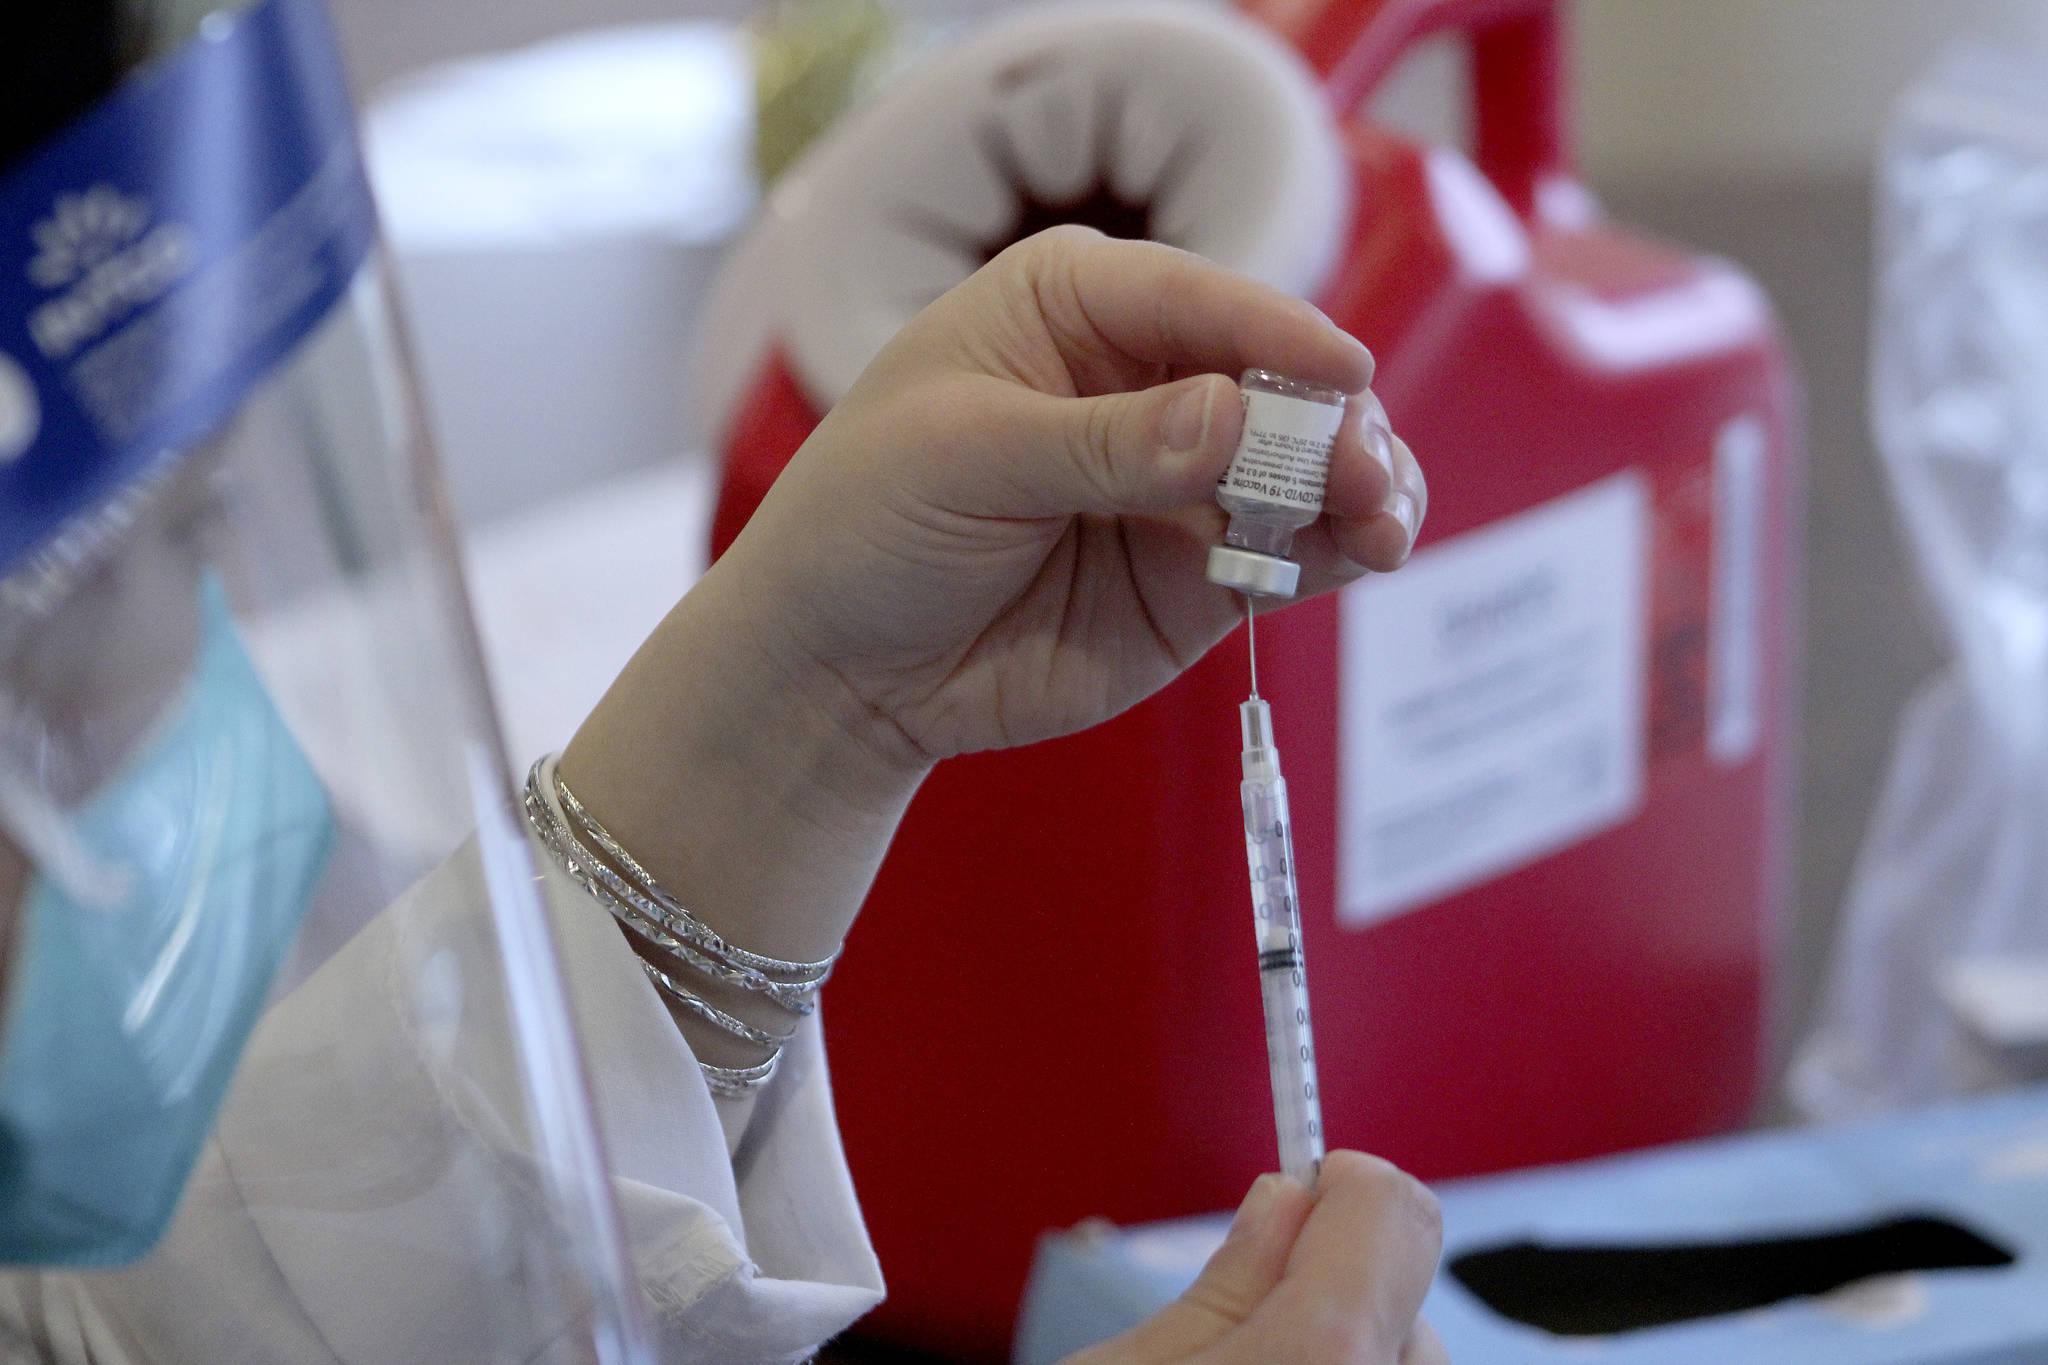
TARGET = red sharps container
(1540,777)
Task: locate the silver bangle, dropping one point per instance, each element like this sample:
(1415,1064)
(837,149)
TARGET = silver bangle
(643,917)
(694,929)
(735,1082)
(650,914)
(710,1013)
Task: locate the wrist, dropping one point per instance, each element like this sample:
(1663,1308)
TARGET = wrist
(756,784)
(843,748)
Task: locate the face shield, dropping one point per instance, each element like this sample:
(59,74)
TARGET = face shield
(243,716)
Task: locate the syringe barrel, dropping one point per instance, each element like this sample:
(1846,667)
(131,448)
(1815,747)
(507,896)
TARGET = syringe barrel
(1283,978)
(1290,1053)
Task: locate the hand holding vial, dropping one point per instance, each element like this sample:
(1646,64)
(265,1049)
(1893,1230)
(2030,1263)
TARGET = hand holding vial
(1000,535)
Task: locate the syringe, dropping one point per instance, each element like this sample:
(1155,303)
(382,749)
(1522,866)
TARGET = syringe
(1283,978)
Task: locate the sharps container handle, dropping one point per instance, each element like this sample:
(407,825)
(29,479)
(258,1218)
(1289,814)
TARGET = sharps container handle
(1518,77)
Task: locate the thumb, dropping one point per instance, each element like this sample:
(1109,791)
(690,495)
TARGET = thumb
(1235,1281)
(1149,450)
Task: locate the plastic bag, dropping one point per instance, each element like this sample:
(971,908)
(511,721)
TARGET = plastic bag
(1946,920)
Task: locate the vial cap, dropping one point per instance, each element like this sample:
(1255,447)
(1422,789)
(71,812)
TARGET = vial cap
(1247,571)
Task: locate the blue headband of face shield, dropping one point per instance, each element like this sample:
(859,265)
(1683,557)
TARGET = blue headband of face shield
(125,1016)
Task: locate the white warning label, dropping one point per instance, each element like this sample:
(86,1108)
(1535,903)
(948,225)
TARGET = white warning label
(1492,700)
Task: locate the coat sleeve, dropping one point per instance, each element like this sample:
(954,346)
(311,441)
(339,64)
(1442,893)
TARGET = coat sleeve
(370,1194)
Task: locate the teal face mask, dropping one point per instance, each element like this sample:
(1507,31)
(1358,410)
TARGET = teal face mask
(125,1021)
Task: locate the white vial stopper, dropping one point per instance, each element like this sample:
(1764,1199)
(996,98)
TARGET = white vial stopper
(1251,573)
(1274,485)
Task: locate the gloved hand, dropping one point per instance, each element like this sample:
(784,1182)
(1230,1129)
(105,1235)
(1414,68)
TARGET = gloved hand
(1336,1276)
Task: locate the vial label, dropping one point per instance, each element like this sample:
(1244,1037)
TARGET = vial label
(1283,456)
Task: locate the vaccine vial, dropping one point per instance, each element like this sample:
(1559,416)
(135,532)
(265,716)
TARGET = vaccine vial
(1274,485)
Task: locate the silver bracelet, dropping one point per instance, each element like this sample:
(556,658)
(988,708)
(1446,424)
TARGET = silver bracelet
(710,1013)
(649,913)
(735,1082)
(643,917)
(700,933)
(577,862)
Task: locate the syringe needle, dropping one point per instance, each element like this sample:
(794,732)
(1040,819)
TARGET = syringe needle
(1251,639)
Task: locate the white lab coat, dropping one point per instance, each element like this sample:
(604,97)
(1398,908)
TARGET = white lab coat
(739,1216)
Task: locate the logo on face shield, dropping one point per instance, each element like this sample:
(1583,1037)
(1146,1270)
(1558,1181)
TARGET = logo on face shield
(98,248)
(20,415)
(82,231)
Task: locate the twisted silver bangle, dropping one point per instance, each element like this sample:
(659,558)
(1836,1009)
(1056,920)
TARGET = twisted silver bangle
(580,866)
(734,1082)
(643,917)
(710,1013)
(650,914)
(694,929)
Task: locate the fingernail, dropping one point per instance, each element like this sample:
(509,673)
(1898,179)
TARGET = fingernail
(1379,443)
(1371,410)
(1187,420)
(1258,1202)
(1404,509)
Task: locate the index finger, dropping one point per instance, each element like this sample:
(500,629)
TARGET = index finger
(1119,306)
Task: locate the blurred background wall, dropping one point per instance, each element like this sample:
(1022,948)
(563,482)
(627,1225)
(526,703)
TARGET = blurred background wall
(1670,89)
(1746,127)
(1760,89)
